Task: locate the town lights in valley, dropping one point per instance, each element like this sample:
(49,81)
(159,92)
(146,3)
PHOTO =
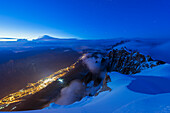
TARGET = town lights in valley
(60,80)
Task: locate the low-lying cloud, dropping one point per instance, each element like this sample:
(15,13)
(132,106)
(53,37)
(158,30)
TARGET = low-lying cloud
(74,92)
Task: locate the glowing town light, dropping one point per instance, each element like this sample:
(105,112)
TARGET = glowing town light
(33,88)
(60,80)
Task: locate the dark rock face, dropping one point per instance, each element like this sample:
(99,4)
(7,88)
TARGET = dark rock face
(129,62)
(104,85)
(87,78)
(123,61)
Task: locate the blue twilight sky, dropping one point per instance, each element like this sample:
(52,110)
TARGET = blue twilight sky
(88,19)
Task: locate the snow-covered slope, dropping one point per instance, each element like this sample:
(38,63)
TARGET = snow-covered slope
(123,99)
(144,92)
(157,49)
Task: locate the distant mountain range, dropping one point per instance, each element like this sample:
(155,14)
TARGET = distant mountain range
(7,39)
(49,38)
(43,38)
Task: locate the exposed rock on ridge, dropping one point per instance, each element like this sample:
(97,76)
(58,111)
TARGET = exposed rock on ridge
(129,62)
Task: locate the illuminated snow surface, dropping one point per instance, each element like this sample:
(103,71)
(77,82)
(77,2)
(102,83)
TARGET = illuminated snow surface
(124,99)
(144,92)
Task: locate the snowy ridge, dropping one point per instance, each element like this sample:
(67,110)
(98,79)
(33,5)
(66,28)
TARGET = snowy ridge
(139,85)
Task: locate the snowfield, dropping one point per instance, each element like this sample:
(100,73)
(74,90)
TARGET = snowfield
(144,92)
(157,49)
(125,96)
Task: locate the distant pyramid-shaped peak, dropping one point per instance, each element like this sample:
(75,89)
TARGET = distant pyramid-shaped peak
(47,38)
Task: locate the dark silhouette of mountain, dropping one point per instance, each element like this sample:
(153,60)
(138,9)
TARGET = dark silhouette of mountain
(46,38)
(49,38)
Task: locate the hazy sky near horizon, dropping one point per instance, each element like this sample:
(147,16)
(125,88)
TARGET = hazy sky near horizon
(85,18)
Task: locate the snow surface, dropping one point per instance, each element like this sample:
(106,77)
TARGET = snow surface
(144,92)
(160,71)
(157,49)
(125,96)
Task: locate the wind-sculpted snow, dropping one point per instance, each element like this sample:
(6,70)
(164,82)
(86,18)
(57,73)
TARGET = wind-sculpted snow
(134,81)
(121,99)
(150,85)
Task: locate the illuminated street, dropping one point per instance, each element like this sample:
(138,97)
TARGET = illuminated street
(33,88)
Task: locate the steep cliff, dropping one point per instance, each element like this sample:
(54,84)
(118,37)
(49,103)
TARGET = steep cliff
(129,62)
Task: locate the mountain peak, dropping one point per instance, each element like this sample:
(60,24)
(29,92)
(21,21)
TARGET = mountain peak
(47,37)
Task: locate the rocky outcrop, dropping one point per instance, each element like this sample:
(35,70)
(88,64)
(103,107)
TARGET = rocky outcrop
(129,62)
(123,61)
(105,87)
